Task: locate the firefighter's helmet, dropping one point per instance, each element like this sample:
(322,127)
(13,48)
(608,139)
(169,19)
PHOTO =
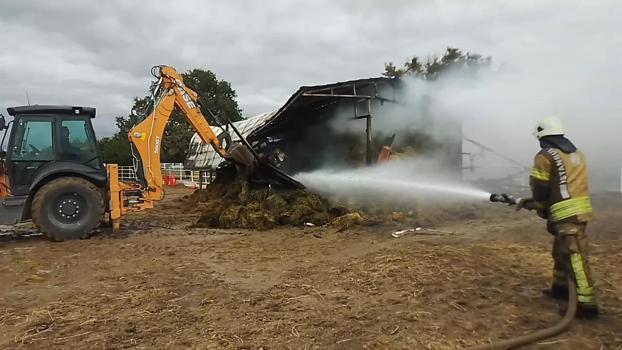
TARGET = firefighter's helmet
(548,126)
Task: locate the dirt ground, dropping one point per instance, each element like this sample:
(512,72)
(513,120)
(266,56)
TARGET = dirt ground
(164,285)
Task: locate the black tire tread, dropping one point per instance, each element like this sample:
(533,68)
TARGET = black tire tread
(37,207)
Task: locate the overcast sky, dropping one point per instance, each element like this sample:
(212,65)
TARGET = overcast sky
(99,53)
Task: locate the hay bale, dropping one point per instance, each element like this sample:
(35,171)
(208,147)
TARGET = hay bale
(210,217)
(311,200)
(348,220)
(256,195)
(230,216)
(259,220)
(250,216)
(300,214)
(275,203)
(221,206)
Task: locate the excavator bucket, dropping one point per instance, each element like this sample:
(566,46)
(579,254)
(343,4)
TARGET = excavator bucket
(247,156)
(282,178)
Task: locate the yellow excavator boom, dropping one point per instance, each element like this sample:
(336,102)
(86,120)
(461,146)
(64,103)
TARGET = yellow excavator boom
(146,140)
(146,136)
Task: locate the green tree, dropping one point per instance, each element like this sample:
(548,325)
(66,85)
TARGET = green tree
(216,95)
(452,59)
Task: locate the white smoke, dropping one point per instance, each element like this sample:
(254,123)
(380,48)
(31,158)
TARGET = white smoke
(549,58)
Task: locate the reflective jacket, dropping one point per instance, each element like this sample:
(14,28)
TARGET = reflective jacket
(559,181)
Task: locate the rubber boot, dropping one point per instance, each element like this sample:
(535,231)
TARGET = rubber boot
(587,311)
(584,311)
(557,292)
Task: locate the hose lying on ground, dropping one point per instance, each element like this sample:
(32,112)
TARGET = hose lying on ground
(541,334)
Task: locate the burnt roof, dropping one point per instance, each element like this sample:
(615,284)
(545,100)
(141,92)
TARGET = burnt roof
(52,109)
(316,96)
(296,112)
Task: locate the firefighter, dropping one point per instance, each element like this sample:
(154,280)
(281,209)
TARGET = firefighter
(559,185)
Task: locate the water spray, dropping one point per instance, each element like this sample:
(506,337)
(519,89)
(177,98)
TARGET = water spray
(362,184)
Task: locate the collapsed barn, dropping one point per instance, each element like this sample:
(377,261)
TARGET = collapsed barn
(340,125)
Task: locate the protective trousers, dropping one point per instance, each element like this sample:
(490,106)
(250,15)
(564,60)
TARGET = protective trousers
(570,250)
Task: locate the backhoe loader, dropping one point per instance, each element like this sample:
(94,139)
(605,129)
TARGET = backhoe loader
(53,172)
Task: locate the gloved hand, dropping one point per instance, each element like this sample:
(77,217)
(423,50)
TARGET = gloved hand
(527,203)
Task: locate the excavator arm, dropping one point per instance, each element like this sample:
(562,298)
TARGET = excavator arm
(146,142)
(146,137)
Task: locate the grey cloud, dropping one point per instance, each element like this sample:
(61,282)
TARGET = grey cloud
(100,52)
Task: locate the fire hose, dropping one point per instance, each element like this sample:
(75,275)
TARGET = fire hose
(554,330)
(529,338)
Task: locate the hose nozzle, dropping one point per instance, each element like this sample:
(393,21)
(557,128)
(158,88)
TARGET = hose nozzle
(503,198)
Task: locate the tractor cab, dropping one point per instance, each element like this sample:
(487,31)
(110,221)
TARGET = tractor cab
(44,139)
(46,143)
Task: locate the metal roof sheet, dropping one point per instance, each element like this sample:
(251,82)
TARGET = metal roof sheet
(202,155)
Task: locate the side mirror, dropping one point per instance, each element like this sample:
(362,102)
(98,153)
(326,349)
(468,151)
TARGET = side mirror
(2,122)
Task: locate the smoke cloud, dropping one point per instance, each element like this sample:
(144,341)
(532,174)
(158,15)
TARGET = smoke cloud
(549,58)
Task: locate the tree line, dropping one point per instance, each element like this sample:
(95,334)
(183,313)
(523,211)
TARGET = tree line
(452,59)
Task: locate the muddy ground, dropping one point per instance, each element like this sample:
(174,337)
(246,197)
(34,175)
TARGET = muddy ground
(164,285)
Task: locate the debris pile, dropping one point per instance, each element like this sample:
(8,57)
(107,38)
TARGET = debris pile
(228,205)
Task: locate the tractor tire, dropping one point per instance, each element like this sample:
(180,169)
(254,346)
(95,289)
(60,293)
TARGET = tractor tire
(67,208)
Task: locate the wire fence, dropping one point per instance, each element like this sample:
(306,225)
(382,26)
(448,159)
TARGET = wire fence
(182,175)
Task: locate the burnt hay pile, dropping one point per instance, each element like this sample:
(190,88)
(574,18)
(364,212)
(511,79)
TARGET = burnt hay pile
(225,205)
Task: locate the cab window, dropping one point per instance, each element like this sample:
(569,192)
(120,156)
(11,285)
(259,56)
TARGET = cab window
(34,141)
(76,142)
